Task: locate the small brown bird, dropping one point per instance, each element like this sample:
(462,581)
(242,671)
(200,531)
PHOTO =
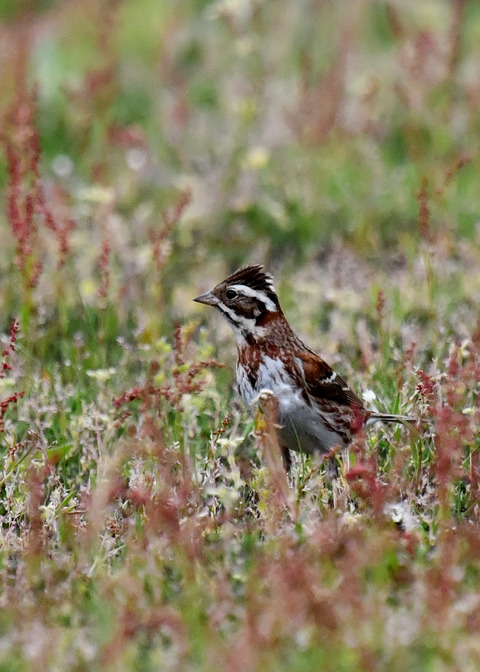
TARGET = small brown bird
(317,411)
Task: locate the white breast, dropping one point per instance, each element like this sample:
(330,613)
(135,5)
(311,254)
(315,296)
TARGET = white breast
(302,426)
(271,375)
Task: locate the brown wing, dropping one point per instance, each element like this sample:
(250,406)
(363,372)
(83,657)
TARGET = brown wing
(323,383)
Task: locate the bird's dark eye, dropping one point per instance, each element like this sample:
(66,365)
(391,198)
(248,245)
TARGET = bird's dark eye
(231,294)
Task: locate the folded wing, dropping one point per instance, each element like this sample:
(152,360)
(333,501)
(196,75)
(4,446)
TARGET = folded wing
(323,383)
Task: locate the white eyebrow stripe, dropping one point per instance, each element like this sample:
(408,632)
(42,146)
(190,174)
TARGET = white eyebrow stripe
(256,294)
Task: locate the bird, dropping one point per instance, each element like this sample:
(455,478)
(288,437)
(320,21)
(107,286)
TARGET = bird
(316,409)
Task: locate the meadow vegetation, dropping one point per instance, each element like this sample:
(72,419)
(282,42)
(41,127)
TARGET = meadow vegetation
(147,149)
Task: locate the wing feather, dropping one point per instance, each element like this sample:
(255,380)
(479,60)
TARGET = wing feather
(323,383)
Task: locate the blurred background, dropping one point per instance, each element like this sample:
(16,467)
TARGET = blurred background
(149,148)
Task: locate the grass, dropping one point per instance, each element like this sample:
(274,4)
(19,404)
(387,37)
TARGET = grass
(148,149)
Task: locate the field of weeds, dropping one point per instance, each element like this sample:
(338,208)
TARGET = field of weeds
(147,149)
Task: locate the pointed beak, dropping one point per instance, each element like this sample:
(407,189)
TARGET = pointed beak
(208,299)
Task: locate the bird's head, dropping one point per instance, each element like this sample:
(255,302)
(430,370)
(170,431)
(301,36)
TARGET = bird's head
(247,299)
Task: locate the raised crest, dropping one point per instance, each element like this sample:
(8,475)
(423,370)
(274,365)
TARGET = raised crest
(254,277)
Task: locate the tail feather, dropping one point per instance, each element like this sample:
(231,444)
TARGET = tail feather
(389,417)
